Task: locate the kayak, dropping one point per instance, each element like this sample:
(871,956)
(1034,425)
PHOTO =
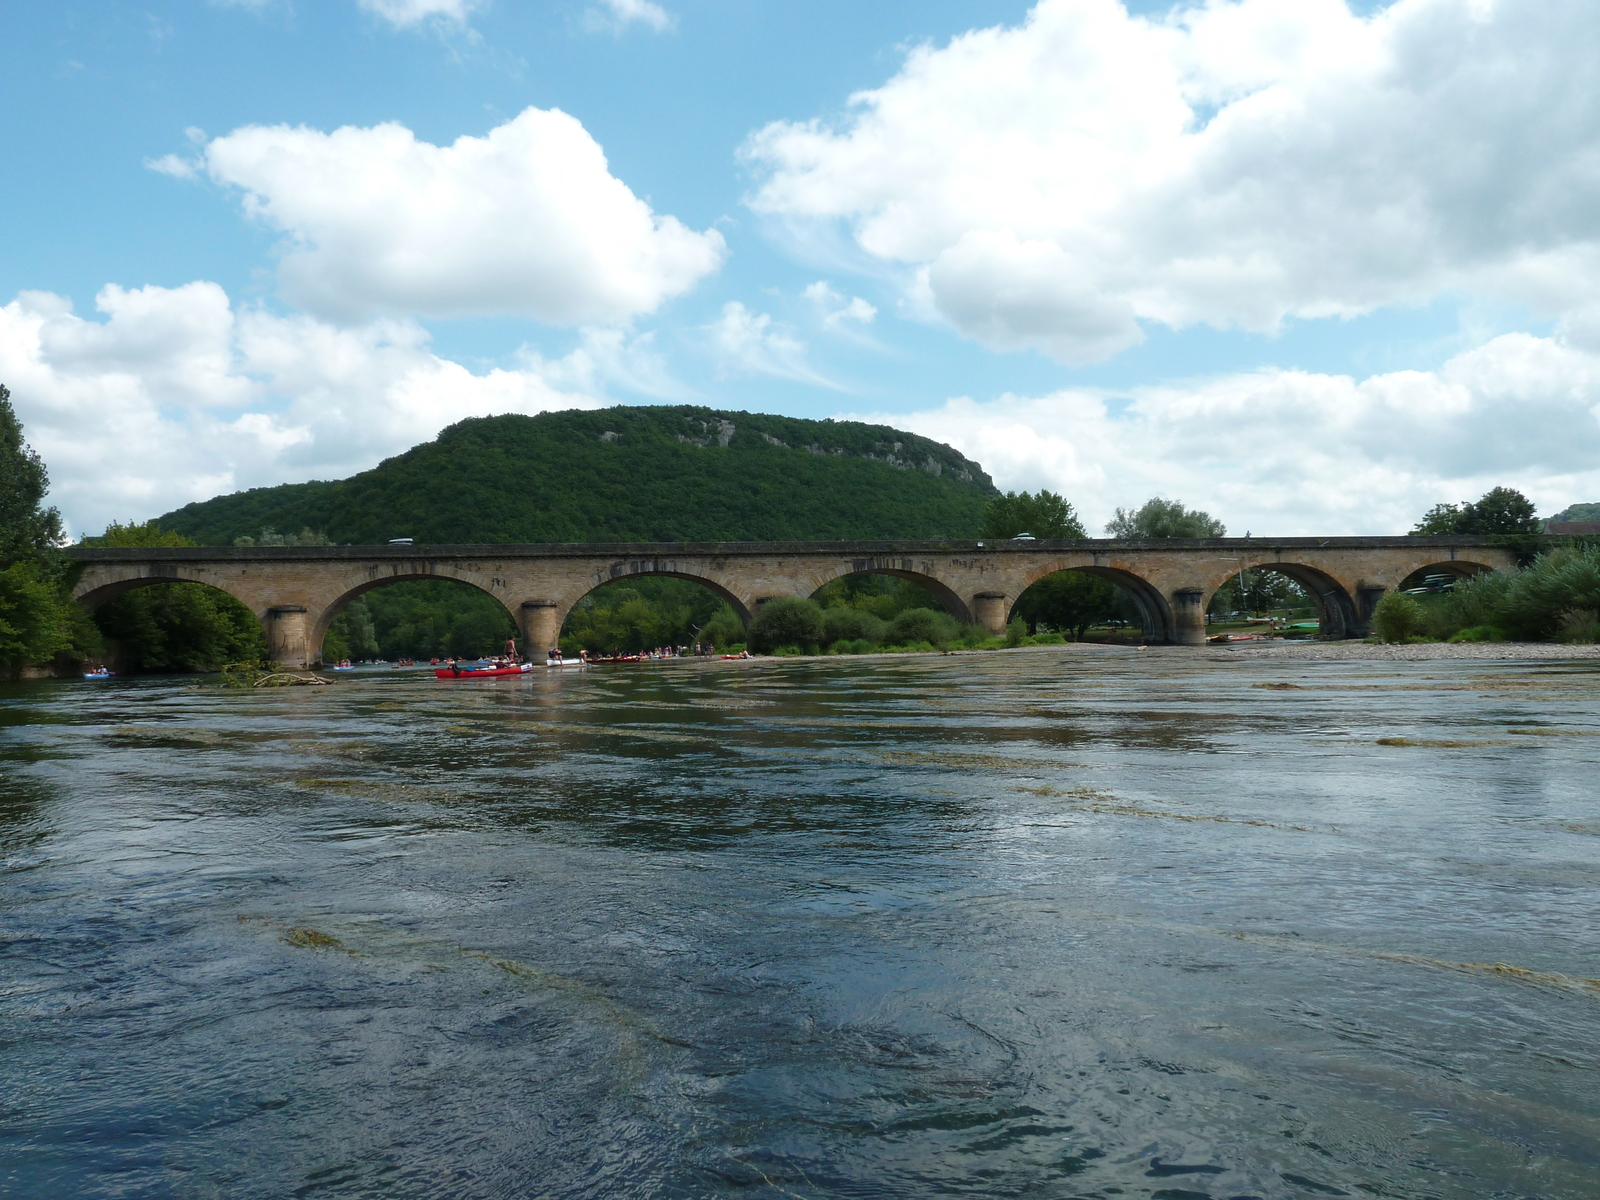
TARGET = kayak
(98,674)
(566,662)
(482,672)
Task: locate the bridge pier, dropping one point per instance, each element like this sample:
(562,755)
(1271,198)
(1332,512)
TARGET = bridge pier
(1367,597)
(541,626)
(989,610)
(1189,616)
(289,636)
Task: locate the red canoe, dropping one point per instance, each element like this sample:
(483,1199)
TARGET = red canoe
(481,672)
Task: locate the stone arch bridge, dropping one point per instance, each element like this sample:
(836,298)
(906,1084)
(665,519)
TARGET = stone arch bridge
(296,591)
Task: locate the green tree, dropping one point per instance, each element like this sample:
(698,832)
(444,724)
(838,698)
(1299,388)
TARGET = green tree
(884,596)
(33,622)
(1159,518)
(134,534)
(271,537)
(351,634)
(1579,512)
(28,530)
(1398,617)
(1068,602)
(723,630)
(1500,510)
(1257,591)
(786,621)
(1044,515)
(37,617)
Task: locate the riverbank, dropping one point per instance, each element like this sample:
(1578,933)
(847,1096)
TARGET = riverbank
(1381,651)
(1354,650)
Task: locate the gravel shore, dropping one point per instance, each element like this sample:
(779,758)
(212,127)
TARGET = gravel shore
(1375,650)
(1429,651)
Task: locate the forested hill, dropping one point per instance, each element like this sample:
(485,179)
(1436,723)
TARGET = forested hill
(654,474)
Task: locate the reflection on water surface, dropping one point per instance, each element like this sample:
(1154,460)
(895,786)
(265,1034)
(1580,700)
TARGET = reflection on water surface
(1066,923)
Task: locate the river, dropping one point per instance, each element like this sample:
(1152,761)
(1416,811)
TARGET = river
(1062,923)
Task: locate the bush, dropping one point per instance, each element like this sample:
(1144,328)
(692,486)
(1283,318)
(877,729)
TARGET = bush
(724,629)
(34,621)
(1580,627)
(1398,617)
(1479,633)
(923,625)
(1016,631)
(973,636)
(1545,600)
(852,646)
(786,621)
(851,625)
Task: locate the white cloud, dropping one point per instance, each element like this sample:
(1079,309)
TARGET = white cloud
(172,164)
(615,16)
(407,14)
(835,310)
(527,220)
(748,343)
(176,396)
(1287,452)
(1057,183)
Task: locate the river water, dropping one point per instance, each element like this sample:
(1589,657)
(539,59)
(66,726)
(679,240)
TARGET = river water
(1060,923)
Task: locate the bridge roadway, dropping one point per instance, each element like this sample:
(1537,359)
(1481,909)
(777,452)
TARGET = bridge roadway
(296,591)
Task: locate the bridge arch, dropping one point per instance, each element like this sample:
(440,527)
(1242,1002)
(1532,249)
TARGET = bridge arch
(1459,567)
(739,604)
(1339,614)
(946,596)
(1155,614)
(319,627)
(199,625)
(596,617)
(94,590)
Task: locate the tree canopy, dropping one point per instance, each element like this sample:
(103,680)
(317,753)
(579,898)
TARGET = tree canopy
(627,474)
(37,618)
(28,529)
(1044,515)
(1159,518)
(1500,510)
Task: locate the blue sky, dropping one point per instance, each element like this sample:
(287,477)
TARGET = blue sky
(1310,267)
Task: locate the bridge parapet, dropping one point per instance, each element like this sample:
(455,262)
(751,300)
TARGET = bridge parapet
(297,590)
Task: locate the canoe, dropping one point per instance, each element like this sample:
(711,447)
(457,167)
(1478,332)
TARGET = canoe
(481,672)
(98,674)
(566,662)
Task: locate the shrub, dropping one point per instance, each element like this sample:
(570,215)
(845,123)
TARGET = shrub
(922,625)
(1398,617)
(34,621)
(851,625)
(723,629)
(1472,603)
(1016,631)
(1580,627)
(786,621)
(1479,633)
